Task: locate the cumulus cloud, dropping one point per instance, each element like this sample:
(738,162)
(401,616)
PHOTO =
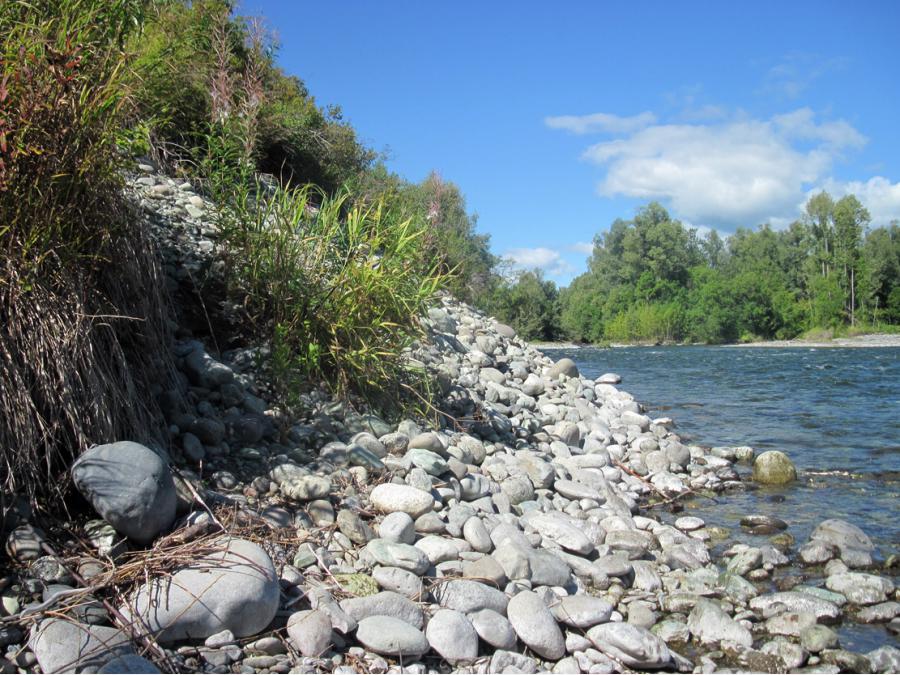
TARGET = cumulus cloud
(601,122)
(546,259)
(878,194)
(742,171)
(798,72)
(585,247)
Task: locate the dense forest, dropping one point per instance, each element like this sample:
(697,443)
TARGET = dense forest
(651,279)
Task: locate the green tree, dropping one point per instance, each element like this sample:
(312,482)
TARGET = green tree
(850,221)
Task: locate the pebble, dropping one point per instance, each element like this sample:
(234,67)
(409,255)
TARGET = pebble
(391,637)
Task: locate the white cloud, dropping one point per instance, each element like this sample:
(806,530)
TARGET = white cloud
(601,122)
(797,72)
(585,247)
(878,194)
(546,259)
(738,172)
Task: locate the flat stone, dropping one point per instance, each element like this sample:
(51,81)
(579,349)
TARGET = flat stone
(859,588)
(385,603)
(794,601)
(390,497)
(63,646)
(399,580)
(535,625)
(234,587)
(438,549)
(582,611)
(574,490)
(452,636)
(560,529)
(470,596)
(790,623)
(404,556)
(635,647)
(391,637)
(494,628)
(130,486)
(310,631)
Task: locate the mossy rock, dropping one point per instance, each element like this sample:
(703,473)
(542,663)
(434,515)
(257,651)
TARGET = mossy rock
(774,468)
(359,585)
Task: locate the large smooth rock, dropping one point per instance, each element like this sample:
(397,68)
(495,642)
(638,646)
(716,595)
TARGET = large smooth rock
(494,628)
(130,486)
(774,468)
(390,497)
(582,611)
(559,528)
(204,371)
(635,647)
(565,367)
(535,625)
(391,637)
(711,625)
(234,587)
(64,646)
(795,601)
(470,596)
(386,603)
(310,631)
(854,545)
(452,636)
(860,589)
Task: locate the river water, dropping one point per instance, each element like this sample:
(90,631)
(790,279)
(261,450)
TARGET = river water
(834,411)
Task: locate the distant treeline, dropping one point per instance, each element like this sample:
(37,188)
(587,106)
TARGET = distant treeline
(651,279)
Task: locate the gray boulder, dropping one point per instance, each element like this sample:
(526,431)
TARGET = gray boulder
(391,637)
(635,647)
(535,625)
(452,636)
(64,646)
(130,486)
(233,587)
(774,468)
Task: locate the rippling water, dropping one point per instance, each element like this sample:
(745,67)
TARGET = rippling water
(834,411)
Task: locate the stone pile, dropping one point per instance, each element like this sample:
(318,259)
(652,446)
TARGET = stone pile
(505,535)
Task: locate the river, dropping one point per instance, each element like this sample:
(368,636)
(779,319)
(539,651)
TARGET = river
(834,411)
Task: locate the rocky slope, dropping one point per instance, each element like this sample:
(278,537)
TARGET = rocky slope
(509,533)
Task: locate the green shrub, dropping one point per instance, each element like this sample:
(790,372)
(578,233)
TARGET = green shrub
(336,286)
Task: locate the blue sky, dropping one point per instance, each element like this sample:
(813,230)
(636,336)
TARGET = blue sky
(557,118)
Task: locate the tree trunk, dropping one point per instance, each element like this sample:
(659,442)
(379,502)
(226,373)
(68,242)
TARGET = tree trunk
(852,297)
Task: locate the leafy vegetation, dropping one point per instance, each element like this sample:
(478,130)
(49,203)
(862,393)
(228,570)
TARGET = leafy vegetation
(651,279)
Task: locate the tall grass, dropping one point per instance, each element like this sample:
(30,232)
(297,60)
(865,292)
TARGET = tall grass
(82,321)
(338,286)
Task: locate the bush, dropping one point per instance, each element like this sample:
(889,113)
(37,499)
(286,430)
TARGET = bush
(337,288)
(82,322)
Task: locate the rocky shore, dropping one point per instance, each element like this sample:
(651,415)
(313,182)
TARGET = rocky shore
(527,525)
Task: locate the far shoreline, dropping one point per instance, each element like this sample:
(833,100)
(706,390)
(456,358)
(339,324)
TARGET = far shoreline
(857,341)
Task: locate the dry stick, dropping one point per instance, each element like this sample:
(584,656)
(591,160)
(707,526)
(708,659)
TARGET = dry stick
(143,638)
(199,498)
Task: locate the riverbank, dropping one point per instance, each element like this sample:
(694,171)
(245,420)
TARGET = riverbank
(527,523)
(872,340)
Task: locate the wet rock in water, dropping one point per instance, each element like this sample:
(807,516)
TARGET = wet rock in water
(774,468)
(452,636)
(744,561)
(711,625)
(535,625)
(854,545)
(817,638)
(790,623)
(757,520)
(860,589)
(565,367)
(234,586)
(310,631)
(390,497)
(130,486)
(391,637)
(885,659)
(633,646)
(63,646)
(880,613)
(794,601)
